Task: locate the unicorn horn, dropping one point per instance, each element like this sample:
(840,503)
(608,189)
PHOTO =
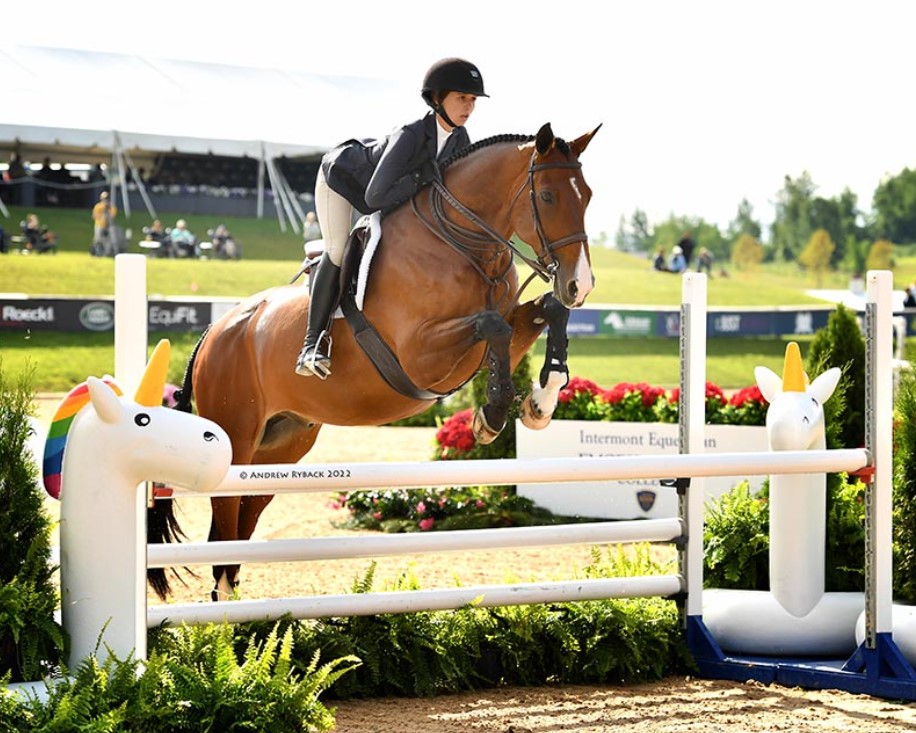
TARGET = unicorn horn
(149,393)
(793,375)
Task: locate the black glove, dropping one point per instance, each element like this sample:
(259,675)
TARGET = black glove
(428,173)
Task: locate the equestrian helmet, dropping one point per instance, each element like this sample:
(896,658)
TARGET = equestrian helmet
(452,75)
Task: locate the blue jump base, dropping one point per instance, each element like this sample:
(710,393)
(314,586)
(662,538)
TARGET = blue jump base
(882,672)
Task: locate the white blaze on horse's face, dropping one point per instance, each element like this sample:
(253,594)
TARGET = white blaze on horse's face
(575,188)
(585,281)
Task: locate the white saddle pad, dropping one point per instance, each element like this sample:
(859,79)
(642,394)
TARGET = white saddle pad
(375,236)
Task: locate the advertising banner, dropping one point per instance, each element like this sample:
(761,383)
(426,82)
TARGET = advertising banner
(631,499)
(71,315)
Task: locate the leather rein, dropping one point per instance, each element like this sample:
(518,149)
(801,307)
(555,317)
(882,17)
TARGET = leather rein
(473,245)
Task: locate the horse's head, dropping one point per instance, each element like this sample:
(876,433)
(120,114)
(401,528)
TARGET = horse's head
(795,418)
(555,224)
(139,439)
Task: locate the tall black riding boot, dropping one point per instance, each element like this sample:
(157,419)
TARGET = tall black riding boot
(315,357)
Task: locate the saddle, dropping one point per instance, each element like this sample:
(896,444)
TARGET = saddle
(354,274)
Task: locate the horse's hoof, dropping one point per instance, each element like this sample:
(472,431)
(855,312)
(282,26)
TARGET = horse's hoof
(483,433)
(531,417)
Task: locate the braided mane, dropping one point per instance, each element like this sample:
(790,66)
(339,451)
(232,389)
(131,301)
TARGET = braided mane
(486,142)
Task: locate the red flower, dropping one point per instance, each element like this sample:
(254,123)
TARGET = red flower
(575,386)
(712,392)
(748,394)
(616,393)
(455,433)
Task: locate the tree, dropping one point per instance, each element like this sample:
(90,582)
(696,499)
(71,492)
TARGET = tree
(855,256)
(744,222)
(792,226)
(880,256)
(620,237)
(640,231)
(747,253)
(817,253)
(636,237)
(894,203)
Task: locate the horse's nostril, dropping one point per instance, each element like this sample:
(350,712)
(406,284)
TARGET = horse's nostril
(208,436)
(573,288)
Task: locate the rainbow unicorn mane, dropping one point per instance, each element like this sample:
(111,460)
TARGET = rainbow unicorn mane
(52,464)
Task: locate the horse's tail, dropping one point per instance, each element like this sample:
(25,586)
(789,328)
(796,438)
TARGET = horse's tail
(183,396)
(162,525)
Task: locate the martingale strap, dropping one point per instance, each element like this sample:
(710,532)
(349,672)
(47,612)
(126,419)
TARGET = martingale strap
(380,354)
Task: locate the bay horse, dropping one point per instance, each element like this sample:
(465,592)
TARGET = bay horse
(443,296)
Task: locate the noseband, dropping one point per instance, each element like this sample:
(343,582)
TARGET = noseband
(468,242)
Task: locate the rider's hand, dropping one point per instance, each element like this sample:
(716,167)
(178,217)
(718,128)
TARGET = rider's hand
(428,173)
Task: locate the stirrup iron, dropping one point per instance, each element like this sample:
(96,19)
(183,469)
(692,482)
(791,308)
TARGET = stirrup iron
(309,364)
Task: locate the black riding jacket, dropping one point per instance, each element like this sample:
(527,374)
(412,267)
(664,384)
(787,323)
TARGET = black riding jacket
(378,175)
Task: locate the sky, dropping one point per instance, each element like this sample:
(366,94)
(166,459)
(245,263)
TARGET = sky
(702,103)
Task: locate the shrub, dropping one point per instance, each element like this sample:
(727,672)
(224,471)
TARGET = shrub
(610,641)
(841,344)
(737,538)
(423,510)
(905,491)
(580,399)
(31,643)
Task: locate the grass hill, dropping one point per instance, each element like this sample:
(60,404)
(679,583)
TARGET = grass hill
(272,257)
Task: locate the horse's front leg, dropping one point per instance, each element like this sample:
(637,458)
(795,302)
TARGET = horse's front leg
(538,406)
(490,419)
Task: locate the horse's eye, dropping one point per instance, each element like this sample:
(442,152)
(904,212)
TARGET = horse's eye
(814,402)
(142,419)
(546,197)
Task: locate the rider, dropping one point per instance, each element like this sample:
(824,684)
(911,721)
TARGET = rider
(378,175)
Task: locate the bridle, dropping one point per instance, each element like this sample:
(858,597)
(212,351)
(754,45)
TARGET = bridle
(473,244)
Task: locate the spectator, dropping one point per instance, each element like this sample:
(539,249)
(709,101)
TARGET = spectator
(658,262)
(910,300)
(16,168)
(15,171)
(704,261)
(311,230)
(38,238)
(184,243)
(677,262)
(687,245)
(103,214)
(224,245)
(157,234)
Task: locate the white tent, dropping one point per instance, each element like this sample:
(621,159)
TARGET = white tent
(87,106)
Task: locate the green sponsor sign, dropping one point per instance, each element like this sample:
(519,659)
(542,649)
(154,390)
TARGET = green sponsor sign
(628,323)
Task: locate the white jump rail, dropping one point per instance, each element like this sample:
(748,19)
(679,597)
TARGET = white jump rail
(298,478)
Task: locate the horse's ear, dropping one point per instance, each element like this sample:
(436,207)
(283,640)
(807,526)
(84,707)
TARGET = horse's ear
(545,139)
(581,143)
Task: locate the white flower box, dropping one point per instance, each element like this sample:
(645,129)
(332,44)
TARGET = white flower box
(632,499)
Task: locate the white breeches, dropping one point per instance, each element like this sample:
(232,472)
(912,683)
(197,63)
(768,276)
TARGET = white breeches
(335,216)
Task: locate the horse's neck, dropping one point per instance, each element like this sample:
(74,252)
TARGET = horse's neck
(488,185)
